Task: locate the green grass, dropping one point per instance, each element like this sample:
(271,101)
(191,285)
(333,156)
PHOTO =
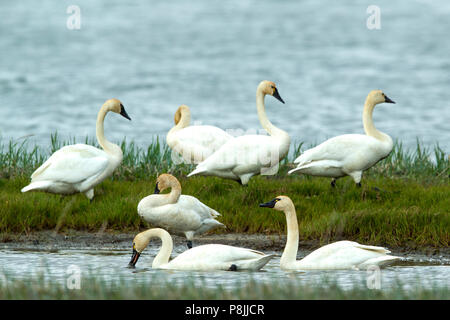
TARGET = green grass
(411,207)
(155,288)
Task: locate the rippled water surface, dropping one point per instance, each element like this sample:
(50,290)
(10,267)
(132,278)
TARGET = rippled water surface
(210,55)
(110,265)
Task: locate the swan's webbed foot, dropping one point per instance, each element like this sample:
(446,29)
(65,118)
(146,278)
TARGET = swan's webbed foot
(189,244)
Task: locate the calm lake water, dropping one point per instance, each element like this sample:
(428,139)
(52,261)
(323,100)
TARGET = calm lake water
(211,55)
(111,266)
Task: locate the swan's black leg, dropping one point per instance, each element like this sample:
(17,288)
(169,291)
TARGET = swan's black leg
(189,244)
(240,182)
(333,183)
(358,184)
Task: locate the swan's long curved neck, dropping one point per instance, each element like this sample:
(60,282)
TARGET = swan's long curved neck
(369,126)
(165,251)
(265,122)
(173,195)
(109,147)
(183,122)
(290,251)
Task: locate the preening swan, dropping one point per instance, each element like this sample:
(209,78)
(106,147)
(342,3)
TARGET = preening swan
(180,214)
(80,167)
(208,257)
(349,154)
(194,143)
(337,255)
(243,157)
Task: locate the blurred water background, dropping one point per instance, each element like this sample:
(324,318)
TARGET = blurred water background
(211,55)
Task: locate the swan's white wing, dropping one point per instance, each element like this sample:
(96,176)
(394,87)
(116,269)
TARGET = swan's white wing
(206,136)
(192,203)
(243,154)
(336,149)
(188,214)
(341,255)
(196,143)
(218,257)
(72,164)
(172,217)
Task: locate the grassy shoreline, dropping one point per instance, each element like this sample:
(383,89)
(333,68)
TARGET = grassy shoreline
(409,208)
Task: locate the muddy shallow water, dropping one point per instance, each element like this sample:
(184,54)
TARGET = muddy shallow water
(106,257)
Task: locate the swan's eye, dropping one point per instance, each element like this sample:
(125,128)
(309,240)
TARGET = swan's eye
(272,87)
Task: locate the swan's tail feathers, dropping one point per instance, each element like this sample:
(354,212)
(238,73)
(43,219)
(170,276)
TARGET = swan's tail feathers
(298,160)
(381,261)
(301,165)
(216,224)
(214,213)
(372,248)
(254,264)
(197,171)
(264,260)
(38,185)
(293,170)
(208,225)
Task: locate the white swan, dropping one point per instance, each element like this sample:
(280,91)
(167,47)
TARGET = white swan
(207,257)
(180,214)
(194,143)
(337,255)
(245,156)
(349,154)
(80,167)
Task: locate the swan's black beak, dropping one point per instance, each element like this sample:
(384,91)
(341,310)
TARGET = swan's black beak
(123,113)
(387,100)
(157,191)
(277,95)
(269,204)
(134,259)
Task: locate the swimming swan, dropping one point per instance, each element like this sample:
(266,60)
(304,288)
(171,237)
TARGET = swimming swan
(80,167)
(194,143)
(349,154)
(245,156)
(180,214)
(337,255)
(207,257)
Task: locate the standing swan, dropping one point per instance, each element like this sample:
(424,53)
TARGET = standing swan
(180,214)
(349,154)
(208,257)
(194,143)
(80,167)
(243,157)
(337,255)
